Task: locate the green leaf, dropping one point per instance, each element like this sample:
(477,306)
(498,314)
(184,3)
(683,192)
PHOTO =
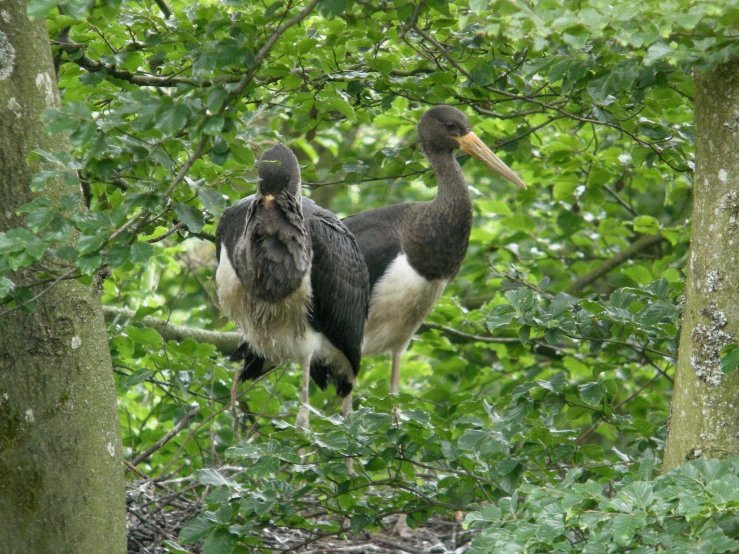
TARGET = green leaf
(524,333)
(220,542)
(640,493)
(331,8)
(6,286)
(88,243)
(564,190)
(625,526)
(10,244)
(478,6)
(88,264)
(592,393)
(657,51)
(730,360)
(37,9)
(242,155)
(646,224)
(140,252)
(145,337)
(195,530)
(647,465)
(212,200)
(339,104)
(39,219)
(190,216)
(521,299)
(500,316)
(172,118)
(213,125)
(333,441)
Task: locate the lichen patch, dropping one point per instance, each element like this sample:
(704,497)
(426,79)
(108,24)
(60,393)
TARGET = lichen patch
(730,202)
(723,175)
(45,84)
(15,108)
(76,342)
(708,341)
(732,124)
(7,57)
(29,416)
(713,280)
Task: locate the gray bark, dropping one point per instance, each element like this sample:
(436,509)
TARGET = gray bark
(61,472)
(705,406)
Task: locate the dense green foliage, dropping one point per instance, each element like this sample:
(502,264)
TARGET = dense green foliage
(540,393)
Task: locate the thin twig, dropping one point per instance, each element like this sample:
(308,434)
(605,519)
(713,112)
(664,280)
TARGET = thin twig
(161,442)
(62,277)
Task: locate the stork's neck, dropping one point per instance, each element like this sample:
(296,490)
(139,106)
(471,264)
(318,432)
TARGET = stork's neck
(436,239)
(452,188)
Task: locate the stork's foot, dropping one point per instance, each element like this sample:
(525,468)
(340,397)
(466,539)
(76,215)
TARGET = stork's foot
(401,528)
(301,423)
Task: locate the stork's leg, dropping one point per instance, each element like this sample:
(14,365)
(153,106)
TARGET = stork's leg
(304,413)
(346,409)
(401,528)
(395,374)
(346,405)
(235,402)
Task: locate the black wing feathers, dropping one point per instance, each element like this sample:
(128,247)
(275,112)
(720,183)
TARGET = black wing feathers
(377,233)
(340,290)
(231,225)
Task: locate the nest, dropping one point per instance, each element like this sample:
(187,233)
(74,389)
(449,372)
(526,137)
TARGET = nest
(156,513)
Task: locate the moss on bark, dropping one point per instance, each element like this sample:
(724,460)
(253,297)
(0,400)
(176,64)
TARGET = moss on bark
(61,476)
(704,418)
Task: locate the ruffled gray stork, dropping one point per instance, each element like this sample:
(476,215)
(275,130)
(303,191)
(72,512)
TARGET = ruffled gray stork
(291,276)
(413,250)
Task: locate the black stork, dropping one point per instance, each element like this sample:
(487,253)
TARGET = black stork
(291,276)
(413,250)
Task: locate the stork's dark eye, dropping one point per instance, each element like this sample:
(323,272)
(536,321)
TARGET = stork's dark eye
(451,125)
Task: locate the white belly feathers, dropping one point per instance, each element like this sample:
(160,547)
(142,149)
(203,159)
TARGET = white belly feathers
(277,331)
(400,302)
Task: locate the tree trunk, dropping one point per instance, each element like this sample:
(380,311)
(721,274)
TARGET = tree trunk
(705,405)
(61,473)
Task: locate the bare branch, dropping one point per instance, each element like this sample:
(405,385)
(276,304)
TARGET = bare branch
(161,442)
(642,243)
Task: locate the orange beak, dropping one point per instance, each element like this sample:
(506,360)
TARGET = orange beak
(472,145)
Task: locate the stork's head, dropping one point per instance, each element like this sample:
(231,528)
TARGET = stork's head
(278,171)
(445,128)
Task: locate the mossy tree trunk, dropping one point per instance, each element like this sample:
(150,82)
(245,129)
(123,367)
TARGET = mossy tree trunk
(61,473)
(705,405)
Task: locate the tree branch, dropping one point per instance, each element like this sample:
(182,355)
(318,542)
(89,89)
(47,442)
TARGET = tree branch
(161,442)
(225,342)
(228,342)
(458,337)
(165,9)
(642,243)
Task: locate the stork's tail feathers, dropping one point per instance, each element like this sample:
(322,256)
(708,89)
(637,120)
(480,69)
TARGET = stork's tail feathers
(253,362)
(255,366)
(320,372)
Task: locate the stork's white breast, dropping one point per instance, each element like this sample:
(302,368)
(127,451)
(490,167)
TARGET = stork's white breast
(400,301)
(278,331)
